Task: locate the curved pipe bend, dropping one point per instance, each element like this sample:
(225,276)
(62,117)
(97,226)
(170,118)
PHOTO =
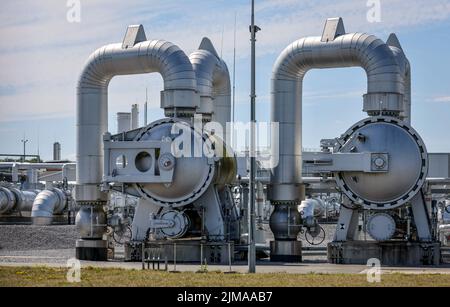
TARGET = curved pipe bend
(213,83)
(385,67)
(46,204)
(179,95)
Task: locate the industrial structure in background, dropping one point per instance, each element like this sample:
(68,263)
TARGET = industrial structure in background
(56,151)
(37,193)
(386,195)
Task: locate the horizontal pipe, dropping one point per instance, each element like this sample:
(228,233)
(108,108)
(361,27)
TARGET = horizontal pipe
(26,166)
(15,200)
(7,200)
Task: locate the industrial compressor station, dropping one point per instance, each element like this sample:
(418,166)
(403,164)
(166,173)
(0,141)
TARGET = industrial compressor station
(175,189)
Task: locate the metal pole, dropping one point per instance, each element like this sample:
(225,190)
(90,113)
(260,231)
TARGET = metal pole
(143,256)
(251,204)
(229,256)
(201,256)
(24,141)
(175,257)
(234,71)
(145,107)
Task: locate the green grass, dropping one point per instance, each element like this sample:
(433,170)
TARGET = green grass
(45,276)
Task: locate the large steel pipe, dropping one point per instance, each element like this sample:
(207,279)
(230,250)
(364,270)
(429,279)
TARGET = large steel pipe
(135,55)
(388,93)
(15,200)
(7,200)
(386,70)
(213,83)
(46,204)
(92,105)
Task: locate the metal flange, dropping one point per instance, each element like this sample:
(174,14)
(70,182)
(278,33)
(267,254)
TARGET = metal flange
(354,134)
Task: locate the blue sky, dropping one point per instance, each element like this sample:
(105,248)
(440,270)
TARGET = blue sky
(41,56)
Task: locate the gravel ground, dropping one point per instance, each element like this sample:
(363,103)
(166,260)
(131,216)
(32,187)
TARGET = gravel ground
(56,244)
(27,237)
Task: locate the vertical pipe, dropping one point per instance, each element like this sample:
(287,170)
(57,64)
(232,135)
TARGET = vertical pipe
(56,151)
(134,116)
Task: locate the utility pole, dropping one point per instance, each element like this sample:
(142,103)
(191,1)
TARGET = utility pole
(24,141)
(251,205)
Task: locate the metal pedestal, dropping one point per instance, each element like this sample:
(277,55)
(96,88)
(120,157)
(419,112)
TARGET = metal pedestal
(392,253)
(286,251)
(92,250)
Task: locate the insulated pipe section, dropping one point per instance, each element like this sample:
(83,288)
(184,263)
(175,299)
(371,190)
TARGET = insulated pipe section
(405,67)
(213,84)
(48,203)
(134,56)
(7,200)
(179,98)
(24,199)
(15,200)
(385,91)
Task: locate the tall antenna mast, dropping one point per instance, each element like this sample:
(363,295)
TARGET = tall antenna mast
(234,72)
(251,205)
(145,106)
(221,44)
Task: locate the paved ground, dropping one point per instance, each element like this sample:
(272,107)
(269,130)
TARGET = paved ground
(262,267)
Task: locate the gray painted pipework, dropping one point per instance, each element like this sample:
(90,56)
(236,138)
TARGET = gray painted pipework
(405,66)
(386,82)
(24,199)
(46,204)
(7,200)
(179,93)
(213,84)
(15,200)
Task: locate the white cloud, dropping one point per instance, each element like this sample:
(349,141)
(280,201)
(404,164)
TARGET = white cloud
(442,99)
(42,53)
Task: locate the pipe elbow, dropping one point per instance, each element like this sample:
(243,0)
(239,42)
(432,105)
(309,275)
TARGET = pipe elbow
(94,74)
(387,89)
(213,77)
(46,204)
(213,83)
(179,95)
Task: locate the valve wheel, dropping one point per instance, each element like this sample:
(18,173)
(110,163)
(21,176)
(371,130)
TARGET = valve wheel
(123,235)
(315,237)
